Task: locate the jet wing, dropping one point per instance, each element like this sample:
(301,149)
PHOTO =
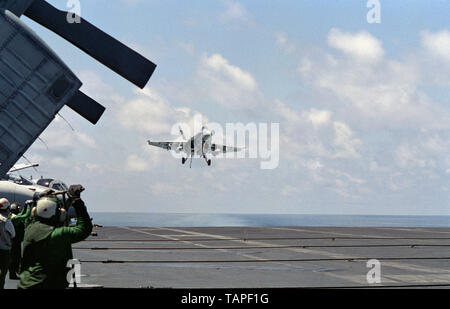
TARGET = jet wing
(167,145)
(218,149)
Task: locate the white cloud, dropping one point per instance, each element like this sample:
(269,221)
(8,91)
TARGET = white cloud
(436,144)
(85,140)
(234,11)
(188,47)
(289,190)
(227,84)
(385,93)
(298,134)
(398,181)
(319,117)
(429,151)
(62,152)
(347,145)
(135,163)
(361,45)
(285,42)
(313,164)
(437,43)
(152,114)
(345,184)
(95,87)
(374,109)
(305,67)
(150,158)
(349,177)
(342,188)
(290,117)
(92,166)
(171,189)
(148,112)
(301,134)
(408,157)
(60,138)
(238,77)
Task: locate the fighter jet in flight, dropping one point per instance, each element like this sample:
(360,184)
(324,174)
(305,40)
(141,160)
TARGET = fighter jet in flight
(198,145)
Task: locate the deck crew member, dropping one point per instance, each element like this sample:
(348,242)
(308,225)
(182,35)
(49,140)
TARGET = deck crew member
(20,217)
(7,233)
(47,244)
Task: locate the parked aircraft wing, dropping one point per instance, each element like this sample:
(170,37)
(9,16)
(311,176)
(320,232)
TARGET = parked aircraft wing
(20,167)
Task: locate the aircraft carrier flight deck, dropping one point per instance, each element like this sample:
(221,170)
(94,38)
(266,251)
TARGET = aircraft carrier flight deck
(263,257)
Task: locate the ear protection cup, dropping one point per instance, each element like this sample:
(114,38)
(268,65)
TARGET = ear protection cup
(62,215)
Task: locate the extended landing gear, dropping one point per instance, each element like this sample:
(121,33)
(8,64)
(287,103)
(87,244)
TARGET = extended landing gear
(208,161)
(183,160)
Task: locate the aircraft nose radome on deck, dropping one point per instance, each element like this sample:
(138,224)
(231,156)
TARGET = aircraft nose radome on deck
(263,257)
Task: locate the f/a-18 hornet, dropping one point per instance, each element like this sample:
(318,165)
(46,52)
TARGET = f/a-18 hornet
(198,145)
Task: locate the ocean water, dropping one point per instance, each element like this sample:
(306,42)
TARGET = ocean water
(209,220)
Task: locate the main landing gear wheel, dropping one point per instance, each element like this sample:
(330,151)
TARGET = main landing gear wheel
(183,160)
(209,162)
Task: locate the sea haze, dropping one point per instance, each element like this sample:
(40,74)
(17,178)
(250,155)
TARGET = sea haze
(208,220)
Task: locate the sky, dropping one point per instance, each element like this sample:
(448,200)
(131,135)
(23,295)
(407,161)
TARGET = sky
(362,108)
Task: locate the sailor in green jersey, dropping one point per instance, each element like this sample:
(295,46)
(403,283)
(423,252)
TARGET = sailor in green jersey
(19,218)
(47,244)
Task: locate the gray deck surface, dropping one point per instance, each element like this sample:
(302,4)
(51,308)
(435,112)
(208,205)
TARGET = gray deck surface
(263,257)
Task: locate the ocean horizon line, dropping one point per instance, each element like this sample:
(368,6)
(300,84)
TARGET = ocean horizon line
(262,220)
(262,213)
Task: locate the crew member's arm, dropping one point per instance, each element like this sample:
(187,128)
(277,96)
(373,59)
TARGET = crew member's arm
(79,232)
(24,214)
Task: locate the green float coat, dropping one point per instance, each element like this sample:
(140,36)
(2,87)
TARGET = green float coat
(47,249)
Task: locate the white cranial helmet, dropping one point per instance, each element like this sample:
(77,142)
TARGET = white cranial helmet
(4,204)
(48,207)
